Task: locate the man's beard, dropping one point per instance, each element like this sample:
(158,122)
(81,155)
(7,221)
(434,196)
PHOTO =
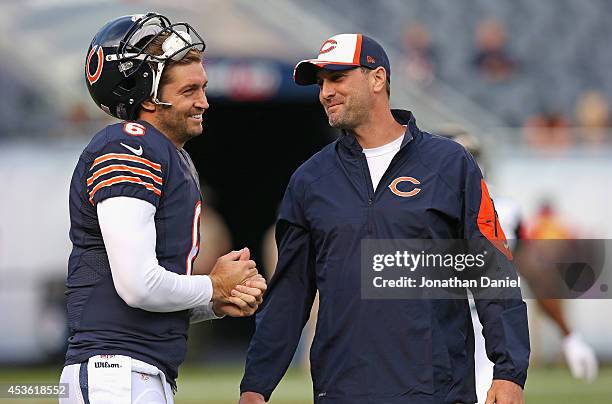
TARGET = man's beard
(350,119)
(339,124)
(177,127)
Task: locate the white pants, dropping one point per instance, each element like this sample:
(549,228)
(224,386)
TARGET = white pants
(145,385)
(484,367)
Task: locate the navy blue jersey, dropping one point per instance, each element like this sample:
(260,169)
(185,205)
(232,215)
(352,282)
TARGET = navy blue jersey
(382,351)
(130,159)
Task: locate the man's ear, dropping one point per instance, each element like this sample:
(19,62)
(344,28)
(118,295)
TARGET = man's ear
(148,105)
(379,75)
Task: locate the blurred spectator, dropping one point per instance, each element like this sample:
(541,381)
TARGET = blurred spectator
(23,106)
(215,236)
(270,252)
(546,259)
(419,61)
(215,240)
(77,113)
(548,225)
(492,59)
(593,117)
(548,130)
(538,259)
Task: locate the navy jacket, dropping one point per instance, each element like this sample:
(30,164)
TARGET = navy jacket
(381,351)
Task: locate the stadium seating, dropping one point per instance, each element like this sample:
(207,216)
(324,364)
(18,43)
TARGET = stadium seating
(561,47)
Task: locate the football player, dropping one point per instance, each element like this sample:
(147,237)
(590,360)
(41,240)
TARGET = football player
(135,206)
(579,355)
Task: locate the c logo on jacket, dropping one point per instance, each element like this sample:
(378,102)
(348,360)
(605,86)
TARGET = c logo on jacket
(404,194)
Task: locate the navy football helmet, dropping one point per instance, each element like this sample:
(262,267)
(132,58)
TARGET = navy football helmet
(119,74)
(470,142)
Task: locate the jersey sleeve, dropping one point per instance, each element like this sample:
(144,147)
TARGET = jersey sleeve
(129,168)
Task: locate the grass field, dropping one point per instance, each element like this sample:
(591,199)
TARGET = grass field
(219,385)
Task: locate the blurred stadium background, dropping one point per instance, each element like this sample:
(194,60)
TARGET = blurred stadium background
(531,79)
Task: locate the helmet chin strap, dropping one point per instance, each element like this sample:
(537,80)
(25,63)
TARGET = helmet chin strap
(172,49)
(163,104)
(156,78)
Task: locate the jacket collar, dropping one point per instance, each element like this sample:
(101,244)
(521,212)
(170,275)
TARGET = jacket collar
(403,117)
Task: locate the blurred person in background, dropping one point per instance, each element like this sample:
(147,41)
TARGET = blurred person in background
(548,131)
(269,252)
(547,225)
(579,356)
(492,59)
(540,261)
(593,117)
(419,58)
(135,207)
(379,350)
(24,107)
(215,237)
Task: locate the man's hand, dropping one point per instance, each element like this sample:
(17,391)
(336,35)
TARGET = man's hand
(249,397)
(230,270)
(505,392)
(245,299)
(252,284)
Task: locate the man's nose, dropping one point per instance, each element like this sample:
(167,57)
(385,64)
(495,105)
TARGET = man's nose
(202,101)
(327,89)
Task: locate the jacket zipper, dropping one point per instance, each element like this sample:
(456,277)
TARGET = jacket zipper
(370,189)
(392,164)
(494,219)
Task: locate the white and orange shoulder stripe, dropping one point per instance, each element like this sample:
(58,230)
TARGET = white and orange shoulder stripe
(117,168)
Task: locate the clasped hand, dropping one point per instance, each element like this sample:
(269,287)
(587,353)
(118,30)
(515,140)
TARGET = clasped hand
(238,288)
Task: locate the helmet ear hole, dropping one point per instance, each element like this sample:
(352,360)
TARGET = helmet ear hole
(125,87)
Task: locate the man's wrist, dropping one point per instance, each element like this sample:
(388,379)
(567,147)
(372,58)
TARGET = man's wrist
(216,288)
(216,313)
(252,395)
(510,379)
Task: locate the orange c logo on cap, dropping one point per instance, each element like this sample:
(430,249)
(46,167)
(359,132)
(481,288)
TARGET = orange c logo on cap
(331,45)
(92,78)
(403,194)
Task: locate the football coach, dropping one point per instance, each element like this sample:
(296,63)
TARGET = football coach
(383,178)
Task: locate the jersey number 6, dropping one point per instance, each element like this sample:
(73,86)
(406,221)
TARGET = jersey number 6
(134,129)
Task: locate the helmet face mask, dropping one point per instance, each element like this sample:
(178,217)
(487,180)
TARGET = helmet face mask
(118,70)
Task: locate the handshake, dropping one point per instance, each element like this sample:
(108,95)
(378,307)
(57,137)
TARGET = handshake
(237,286)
